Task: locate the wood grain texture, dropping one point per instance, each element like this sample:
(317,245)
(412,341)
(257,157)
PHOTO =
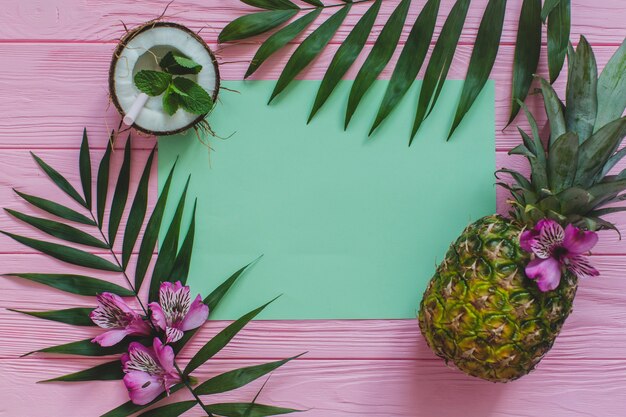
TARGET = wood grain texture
(356,388)
(53,83)
(101,21)
(44,112)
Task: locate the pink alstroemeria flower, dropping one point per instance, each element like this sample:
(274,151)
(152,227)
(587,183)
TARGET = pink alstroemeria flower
(149,371)
(555,249)
(113,313)
(175,313)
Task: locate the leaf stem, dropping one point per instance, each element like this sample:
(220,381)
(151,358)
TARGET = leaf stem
(190,388)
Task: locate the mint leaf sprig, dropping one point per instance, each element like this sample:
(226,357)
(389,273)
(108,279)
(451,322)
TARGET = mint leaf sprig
(178,92)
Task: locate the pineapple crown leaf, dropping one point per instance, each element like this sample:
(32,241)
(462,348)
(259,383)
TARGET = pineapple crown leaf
(570,179)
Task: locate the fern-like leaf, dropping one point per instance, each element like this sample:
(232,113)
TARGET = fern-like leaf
(528,45)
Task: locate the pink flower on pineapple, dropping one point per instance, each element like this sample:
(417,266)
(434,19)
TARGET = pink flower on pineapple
(555,249)
(149,371)
(175,313)
(114,314)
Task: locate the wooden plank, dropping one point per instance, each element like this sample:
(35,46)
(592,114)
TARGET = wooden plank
(32,20)
(593,331)
(47,111)
(390,388)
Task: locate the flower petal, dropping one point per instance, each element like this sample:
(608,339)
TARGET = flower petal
(547,273)
(112,311)
(580,266)
(526,239)
(158,315)
(138,327)
(142,387)
(174,299)
(578,241)
(165,355)
(551,235)
(110,338)
(141,358)
(198,313)
(173,334)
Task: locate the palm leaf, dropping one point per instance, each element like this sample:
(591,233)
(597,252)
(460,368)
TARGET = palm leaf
(482,60)
(247,410)
(59,230)
(527,49)
(439,64)
(85,169)
(559,24)
(102,185)
(108,371)
(271,4)
(167,252)
(137,213)
(345,57)
(151,234)
(238,378)
(87,348)
(220,340)
(309,49)
(66,253)
(75,284)
(212,300)
(74,316)
(279,39)
(254,24)
(60,181)
(180,271)
(128,408)
(410,61)
(56,209)
(378,58)
(548,6)
(120,195)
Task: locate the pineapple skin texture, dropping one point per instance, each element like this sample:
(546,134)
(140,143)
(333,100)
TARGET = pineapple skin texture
(483,314)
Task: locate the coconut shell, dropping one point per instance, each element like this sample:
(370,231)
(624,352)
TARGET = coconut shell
(120,47)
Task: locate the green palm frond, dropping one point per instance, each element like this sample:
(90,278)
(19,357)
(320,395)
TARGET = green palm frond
(172,263)
(278,14)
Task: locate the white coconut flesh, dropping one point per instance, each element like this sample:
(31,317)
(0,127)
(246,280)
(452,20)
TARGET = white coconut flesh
(143,52)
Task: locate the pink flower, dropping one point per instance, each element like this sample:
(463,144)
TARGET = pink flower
(149,371)
(555,249)
(113,313)
(175,313)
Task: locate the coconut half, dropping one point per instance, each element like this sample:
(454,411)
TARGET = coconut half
(142,49)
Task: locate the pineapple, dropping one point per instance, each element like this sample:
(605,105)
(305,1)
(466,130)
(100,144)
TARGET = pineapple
(481,310)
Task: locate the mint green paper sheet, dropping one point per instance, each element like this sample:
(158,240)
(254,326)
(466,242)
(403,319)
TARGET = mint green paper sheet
(350,227)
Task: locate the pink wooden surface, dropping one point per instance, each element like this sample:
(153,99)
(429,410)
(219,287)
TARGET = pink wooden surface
(353,368)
